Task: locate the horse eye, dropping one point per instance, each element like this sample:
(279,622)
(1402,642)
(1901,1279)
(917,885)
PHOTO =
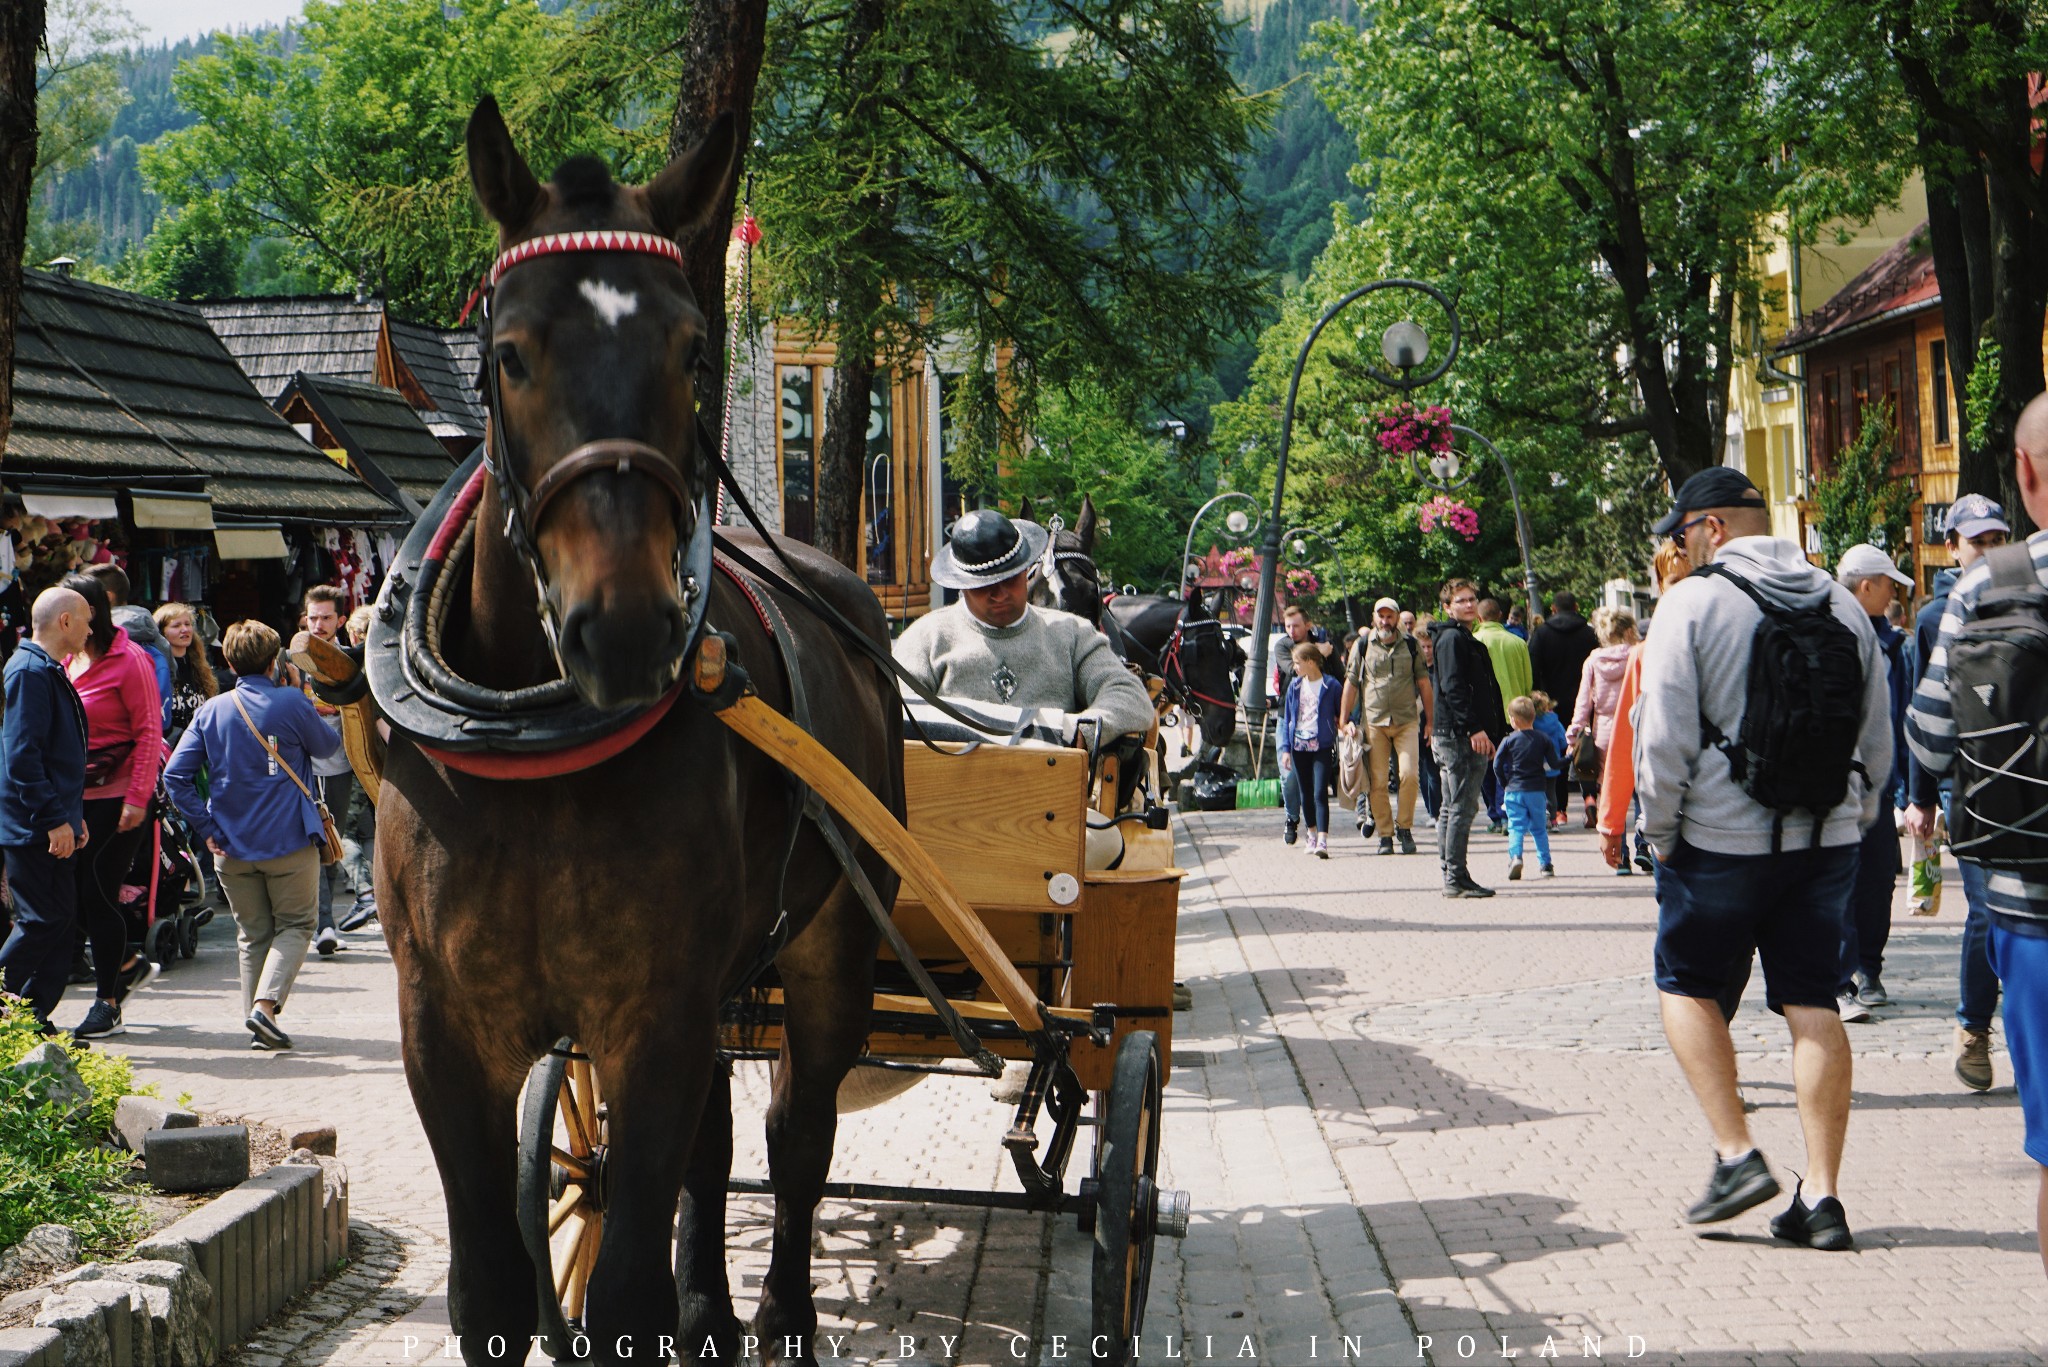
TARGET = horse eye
(509,362)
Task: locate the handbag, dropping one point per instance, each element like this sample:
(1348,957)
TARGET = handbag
(103,763)
(330,852)
(1586,758)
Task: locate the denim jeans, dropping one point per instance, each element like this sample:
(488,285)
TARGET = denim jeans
(1290,795)
(1528,817)
(1312,771)
(1979,983)
(1463,773)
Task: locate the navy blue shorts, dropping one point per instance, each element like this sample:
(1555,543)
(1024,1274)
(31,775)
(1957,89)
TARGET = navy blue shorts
(2021,962)
(1713,908)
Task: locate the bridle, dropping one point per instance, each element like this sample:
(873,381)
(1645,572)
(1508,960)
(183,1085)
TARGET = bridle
(1171,665)
(524,509)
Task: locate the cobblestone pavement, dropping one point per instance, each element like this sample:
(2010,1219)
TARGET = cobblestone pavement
(1378,1091)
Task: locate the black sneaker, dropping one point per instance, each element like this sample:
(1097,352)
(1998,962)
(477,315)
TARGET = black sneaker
(137,976)
(1386,844)
(1293,831)
(1644,862)
(100,1021)
(1407,840)
(1824,1226)
(1734,1187)
(1366,827)
(267,1032)
(1473,888)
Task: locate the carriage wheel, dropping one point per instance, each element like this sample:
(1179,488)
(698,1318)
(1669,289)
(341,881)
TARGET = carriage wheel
(562,1188)
(1126,1193)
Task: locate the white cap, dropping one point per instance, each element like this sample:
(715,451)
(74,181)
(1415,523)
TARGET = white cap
(1386,603)
(1863,561)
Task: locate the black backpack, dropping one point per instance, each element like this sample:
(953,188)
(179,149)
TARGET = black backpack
(1803,715)
(1998,695)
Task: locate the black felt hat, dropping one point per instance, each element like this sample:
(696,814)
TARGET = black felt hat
(985,548)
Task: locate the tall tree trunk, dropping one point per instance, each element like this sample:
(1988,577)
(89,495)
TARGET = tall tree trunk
(843,449)
(21,37)
(722,46)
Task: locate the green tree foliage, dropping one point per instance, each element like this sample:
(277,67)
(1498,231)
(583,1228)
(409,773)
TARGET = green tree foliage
(1629,152)
(346,143)
(192,254)
(1143,487)
(1059,180)
(78,95)
(1859,498)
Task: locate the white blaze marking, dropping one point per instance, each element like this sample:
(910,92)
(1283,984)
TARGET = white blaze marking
(611,304)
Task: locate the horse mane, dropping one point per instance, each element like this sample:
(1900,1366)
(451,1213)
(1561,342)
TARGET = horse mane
(585,182)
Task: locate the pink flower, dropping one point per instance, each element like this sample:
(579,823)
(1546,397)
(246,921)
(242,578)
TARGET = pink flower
(1448,512)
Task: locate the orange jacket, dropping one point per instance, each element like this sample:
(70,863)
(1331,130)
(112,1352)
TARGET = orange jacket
(1617,766)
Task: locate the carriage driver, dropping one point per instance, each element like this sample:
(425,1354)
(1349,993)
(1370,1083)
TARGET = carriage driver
(994,647)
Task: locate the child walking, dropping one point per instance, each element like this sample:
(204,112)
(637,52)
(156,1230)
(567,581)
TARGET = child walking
(1551,727)
(1308,722)
(1519,766)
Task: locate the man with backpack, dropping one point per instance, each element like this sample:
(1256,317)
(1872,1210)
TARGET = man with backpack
(1981,711)
(1761,721)
(1385,673)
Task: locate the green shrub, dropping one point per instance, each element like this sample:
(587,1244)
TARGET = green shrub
(52,1171)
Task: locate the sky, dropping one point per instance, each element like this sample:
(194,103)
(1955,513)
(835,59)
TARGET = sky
(174,19)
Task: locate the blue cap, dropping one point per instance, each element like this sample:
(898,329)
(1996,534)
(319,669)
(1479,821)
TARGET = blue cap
(1971,516)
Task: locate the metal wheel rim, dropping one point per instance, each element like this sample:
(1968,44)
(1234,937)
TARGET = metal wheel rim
(557,1195)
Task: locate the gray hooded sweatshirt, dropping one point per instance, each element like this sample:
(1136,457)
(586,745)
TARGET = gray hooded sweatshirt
(1696,663)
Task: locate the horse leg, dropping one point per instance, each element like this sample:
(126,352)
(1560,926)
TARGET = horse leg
(703,1288)
(652,1069)
(467,1109)
(827,992)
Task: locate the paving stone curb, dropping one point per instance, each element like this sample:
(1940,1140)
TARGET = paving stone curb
(200,1285)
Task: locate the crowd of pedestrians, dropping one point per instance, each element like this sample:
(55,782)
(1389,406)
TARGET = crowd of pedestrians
(116,724)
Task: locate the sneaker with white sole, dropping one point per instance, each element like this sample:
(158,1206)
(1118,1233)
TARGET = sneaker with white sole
(1852,1009)
(1514,870)
(137,976)
(100,1021)
(327,941)
(358,916)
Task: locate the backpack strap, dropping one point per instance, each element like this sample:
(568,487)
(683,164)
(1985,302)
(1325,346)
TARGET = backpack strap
(2012,566)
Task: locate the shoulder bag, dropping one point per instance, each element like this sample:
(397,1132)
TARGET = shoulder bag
(330,851)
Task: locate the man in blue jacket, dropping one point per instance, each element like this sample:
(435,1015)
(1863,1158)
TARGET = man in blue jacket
(42,800)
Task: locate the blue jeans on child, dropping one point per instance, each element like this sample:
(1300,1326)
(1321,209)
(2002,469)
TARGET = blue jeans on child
(1528,814)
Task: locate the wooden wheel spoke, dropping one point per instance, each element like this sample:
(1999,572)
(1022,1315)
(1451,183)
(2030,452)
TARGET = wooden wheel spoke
(581,1259)
(565,1265)
(580,1138)
(577,1168)
(562,1209)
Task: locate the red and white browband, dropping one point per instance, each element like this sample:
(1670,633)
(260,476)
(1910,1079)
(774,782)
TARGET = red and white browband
(597,240)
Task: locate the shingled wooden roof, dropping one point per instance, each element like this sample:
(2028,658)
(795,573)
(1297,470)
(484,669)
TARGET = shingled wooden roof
(376,426)
(426,354)
(113,384)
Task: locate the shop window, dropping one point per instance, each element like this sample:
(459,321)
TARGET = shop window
(1832,436)
(1859,400)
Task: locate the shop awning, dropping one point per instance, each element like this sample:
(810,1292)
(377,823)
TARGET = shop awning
(62,503)
(175,511)
(250,542)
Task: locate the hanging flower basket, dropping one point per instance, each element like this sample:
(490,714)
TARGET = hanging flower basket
(1449,514)
(1406,429)
(1302,584)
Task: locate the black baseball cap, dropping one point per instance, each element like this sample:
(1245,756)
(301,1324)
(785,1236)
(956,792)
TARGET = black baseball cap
(1721,486)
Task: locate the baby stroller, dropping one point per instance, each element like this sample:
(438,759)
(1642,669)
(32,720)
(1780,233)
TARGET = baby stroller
(163,894)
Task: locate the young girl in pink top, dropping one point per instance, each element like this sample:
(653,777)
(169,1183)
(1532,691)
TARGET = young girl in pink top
(116,681)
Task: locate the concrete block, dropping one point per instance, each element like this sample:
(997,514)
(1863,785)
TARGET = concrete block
(31,1348)
(82,1321)
(178,1301)
(54,1077)
(136,1116)
(123,1311)
(213,1237)
(316,1135)
(197,1159)
(298,1185)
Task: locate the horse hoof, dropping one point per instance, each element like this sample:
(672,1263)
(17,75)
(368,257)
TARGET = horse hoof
(774,1340)
(702,1322)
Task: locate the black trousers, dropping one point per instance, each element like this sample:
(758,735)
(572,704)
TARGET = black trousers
(100,869)
(36,959)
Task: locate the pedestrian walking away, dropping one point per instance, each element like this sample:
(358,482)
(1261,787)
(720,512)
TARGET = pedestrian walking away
(42,801)
(1764,854)
(1592,728)
(1387,684)
(1468,721)
(1308,721)
(1973,527)
(2016,901)
(116,682)
(1519,766)
(1511,673)
(1873,579)
(254,741)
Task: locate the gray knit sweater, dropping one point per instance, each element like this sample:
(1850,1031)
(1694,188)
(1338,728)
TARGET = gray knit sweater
(1044,659)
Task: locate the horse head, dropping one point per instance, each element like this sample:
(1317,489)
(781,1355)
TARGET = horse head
(1207,659)
(1067,577)
(591,346)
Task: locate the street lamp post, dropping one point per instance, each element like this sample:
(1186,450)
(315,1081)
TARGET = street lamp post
(1405,347)
(1447,474)
(1309,545)
(1240,523)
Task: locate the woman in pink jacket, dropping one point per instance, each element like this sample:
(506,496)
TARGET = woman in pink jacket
(1600,692)
(124,738)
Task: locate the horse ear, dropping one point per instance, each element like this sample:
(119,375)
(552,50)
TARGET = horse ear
(1024,511)
(690,188)
(1085,528)
(504,185)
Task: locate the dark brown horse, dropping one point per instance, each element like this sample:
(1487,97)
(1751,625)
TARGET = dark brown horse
(622,904)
